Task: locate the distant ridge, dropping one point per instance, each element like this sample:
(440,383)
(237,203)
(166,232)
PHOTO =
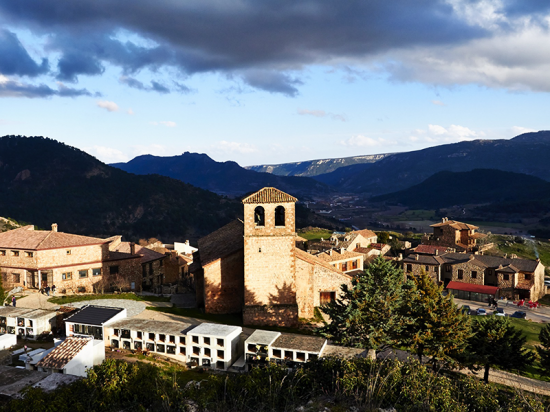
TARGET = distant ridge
(226,178)
(316,167)
(527,154)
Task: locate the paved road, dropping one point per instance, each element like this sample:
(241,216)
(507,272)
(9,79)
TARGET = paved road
(541,314)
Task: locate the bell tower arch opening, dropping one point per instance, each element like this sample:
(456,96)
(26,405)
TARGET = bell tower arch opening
(259,216)
(280,216)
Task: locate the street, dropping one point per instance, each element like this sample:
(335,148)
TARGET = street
(541,314)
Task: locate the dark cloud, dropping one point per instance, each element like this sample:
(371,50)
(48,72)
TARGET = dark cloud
(14,59)
(136,84)
(273,82)
(523,7)
(263,39)
(10,88)
(73,64)
(182,88)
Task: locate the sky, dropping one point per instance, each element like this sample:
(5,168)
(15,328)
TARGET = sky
(272,81)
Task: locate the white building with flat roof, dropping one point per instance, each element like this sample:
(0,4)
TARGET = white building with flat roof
(214,345)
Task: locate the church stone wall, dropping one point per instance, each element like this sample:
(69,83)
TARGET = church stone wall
(223,284)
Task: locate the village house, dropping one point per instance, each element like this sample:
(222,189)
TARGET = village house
(450,233)
(346,241)
(35,259)
(345,261)
(493,276)
(254,267)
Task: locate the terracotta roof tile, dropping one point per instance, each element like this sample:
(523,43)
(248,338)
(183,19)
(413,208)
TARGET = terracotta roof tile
(28,238)
(64,353)
(313,260)
(269,195)
(455,225)
(366,233)
(430,250)
(223,242)
(334,255)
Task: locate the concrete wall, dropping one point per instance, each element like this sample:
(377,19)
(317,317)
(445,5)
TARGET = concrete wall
(7,341)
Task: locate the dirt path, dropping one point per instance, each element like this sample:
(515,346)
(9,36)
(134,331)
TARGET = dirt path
(514,381)
(36,301)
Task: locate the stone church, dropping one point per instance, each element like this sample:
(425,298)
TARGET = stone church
(254,267)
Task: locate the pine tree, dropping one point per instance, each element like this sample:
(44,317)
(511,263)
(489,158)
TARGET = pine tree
(544,350)
(435,327)
(367,315)
(498,343)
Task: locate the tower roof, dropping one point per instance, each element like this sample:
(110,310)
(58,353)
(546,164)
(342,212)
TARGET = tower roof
(269,195)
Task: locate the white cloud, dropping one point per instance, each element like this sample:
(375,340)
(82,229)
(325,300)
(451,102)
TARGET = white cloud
(321,113)
(164,123)
(520,130)
(366,141)
(130,111)
(107,105)
(439,134)
(438,103)
(107,154)
(3,79)
(235,147)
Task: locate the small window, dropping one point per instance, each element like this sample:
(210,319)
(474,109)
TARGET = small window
(16,278)
(137,345)
(220,342)
(505,277)
(68,252)
(15,253)
(259,216)
(252,347)
(207,341)
(82,274)
(220,365)
(96,272)
(172,339)
(279,216)
(151,336)
(474,274)
(139,335)
(447,268)
(162,337)
(126,333)
(460,274)
(195,339)
(113,270)
(409,268)
(435,268)
(277,353)
(221,354)
(196,350)
(300,356)
(527,276)
(160,348)
(182,350)
(150,347)
(427,268)
(2,253)
(29,254)
(67,275)
(207,352)
(182,340)
(289,355)
(171,350)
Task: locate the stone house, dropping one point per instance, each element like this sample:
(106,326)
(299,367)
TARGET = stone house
(34,259)
(345,261)
(450,233)
(254,267)
(515,278)
(344,241)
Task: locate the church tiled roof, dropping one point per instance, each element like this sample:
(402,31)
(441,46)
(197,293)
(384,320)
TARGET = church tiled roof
(269,195)
(223,242)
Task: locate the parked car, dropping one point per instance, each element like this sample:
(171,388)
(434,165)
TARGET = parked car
(481,312)
(547,282)
(465,309)
(499,312)
(519,315)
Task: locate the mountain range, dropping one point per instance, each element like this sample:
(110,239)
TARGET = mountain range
(225,178)
(44,181)
(312,168)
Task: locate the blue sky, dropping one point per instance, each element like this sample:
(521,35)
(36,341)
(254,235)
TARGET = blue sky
(272,81)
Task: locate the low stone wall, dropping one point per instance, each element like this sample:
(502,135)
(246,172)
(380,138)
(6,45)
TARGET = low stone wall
(271,315)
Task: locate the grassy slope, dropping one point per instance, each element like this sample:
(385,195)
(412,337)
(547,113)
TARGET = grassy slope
(62,300)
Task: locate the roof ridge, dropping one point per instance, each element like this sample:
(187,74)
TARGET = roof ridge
(43,240)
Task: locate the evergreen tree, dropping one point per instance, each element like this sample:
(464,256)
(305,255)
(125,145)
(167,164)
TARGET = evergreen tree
(367,315)
(435,327)
(498,343)
(544,349)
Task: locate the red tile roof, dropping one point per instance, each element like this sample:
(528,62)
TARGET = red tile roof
(269,195)
(64,353)
(430,250)
(366,233)
(455,225)
(469,287)
(27,238)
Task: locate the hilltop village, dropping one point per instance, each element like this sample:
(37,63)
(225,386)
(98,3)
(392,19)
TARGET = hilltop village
(257,267)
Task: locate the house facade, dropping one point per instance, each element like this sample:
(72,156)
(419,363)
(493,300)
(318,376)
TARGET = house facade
(453,234)
(35,259)
(515,278)
(254,267)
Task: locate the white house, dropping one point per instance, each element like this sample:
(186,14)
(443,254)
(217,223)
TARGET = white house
(91,321)
(30,323)
(214,345)
(74,356)
(166,338)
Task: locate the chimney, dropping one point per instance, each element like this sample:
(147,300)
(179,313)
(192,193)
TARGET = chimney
(330,252)
(54,227)
(132,248)
(400,256)
(437,252)
(415,257)
(506,256)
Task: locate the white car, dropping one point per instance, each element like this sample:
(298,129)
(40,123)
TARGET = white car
(481,312)
(500,312)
